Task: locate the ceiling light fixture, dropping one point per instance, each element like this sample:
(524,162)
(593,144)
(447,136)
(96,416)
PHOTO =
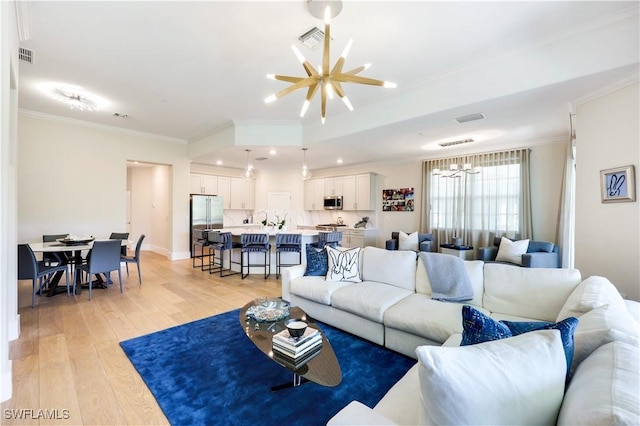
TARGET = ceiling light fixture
(249,173)
(76,98)
(456,171)
(328,80)
(306,173)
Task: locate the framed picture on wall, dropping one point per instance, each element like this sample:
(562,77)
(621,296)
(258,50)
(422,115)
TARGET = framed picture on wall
(397,200)
(618,184)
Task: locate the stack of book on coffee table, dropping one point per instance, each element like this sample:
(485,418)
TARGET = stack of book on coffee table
(296,351)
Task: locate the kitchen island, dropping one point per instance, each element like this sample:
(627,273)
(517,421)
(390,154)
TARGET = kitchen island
(308,236)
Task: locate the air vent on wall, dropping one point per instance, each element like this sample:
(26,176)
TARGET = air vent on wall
(470,117)
(458,142)
(312,38)
(25,55)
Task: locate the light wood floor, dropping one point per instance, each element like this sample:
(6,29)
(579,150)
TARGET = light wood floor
(68,355)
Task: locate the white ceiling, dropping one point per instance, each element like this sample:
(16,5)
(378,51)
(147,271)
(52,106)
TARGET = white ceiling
(184,70)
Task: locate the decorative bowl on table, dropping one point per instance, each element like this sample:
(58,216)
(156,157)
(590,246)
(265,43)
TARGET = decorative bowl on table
(72,240)
(269,310)
(296,326)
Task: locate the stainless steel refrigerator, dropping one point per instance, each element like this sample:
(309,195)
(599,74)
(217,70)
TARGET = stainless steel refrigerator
(206,212)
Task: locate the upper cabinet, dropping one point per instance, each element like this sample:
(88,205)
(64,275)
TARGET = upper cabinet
(242,194)
(203,184)
(314,194)
(236,193)
(358,192)
(333,186)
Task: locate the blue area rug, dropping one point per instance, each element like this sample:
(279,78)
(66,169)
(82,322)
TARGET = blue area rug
(209,372)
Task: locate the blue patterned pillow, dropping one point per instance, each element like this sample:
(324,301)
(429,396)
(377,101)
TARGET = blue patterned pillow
(479,328)
(317,264)
(566,328)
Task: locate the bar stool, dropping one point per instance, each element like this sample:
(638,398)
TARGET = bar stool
(287,243)
(221,241)
(255,243)
(328,238)
(201,240)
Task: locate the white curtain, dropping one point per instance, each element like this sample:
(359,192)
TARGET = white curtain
(478,206)
(565,234)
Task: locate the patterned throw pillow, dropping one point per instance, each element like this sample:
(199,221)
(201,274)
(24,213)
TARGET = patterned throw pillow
(479,328)
(344,265)
(316,261)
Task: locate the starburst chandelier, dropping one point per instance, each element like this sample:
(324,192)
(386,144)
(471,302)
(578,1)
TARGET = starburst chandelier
(328,80)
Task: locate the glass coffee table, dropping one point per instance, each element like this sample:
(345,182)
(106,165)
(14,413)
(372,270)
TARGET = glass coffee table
(322,369)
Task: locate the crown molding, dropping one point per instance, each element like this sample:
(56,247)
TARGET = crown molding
(630,79)
(23,19)
(82,123)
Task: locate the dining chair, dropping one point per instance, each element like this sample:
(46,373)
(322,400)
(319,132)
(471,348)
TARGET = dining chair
(57,257)
(120,236)
(29,268)
(134,259)
(105,257)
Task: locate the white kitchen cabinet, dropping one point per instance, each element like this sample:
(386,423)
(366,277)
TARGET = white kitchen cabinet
(224,190)
(314,194)
(333,186)
(242,194)
(203,184)
(358,192)
(359,237)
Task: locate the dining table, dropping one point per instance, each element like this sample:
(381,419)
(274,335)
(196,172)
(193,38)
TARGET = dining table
(75,246)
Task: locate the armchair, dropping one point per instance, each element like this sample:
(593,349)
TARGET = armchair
(540,254)
(425,241)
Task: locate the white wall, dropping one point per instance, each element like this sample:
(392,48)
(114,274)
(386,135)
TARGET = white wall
(72,177)
(608,235)
(9,318)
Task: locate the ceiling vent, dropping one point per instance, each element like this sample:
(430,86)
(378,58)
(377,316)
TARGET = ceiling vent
(470,117)
(312,38)
(25,55)
(458,142)
(261,158)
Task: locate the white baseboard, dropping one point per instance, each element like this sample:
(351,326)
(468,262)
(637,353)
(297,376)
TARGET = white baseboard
(14,328)
(7,383)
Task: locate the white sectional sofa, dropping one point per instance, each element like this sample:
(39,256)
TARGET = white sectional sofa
(392,306)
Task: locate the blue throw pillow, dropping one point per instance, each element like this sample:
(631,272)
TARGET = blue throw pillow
(566,327)
(317,264)
(479,328)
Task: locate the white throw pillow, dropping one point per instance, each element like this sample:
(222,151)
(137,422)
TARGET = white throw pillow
(512,251)
(604,390)
(408,242)
(344,265)
(518,380)
(592,293)
(599,327)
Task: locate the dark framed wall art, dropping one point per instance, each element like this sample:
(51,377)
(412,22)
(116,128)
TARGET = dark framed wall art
(397,200)
(618,184)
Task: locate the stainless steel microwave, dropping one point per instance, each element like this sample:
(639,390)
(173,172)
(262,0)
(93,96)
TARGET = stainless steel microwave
(333,202)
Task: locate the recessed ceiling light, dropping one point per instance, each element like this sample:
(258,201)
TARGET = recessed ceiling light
(339,161)
(219,163)
(272,152)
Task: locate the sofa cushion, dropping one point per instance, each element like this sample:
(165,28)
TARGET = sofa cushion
(540,247)
(474,272)
(604,388)
(368,299)
(511,251)
(519,380)
(315,288)
(316,261)
(537,293)
(480,328)
(408,241)
(396,268)
(591,293)
(420,315)
(601,326)
(343,265)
